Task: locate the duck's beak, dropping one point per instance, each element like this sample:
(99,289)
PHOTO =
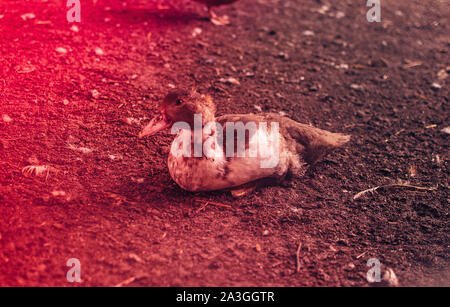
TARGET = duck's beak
(158,123)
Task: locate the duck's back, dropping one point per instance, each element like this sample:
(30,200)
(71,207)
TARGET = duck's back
(311,143)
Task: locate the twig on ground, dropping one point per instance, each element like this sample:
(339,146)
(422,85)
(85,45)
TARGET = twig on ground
(360,255)
(298,257)
(125,282)
(115,241)
(360,66)
(202,207)
(128,281)
(277,264)
(84,150)
(358,195)
(208,202)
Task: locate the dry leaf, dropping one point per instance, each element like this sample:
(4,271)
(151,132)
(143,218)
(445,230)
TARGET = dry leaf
(230,80)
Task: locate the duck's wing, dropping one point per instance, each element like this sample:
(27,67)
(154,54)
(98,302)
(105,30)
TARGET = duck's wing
(246,120)
(311,143)
(316,142)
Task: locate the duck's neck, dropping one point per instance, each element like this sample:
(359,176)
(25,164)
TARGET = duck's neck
(204,128)
(204,124)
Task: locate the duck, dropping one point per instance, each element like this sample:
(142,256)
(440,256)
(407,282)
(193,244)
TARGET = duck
(234,151)
(217,20)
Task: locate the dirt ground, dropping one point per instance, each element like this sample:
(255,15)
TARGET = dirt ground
(73,99)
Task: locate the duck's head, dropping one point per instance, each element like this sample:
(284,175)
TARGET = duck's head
(180,106)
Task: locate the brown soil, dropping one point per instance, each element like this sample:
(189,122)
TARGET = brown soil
(117,209)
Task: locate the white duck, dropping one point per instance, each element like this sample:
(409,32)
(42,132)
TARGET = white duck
(204,159)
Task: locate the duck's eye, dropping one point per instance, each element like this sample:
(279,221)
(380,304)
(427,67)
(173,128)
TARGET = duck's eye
(179,102)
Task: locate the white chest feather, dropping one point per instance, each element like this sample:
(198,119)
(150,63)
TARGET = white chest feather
(206,166)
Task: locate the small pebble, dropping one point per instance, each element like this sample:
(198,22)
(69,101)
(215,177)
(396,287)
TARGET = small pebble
(323,9)
(356,87)
(134,257)
(340,15)
(350,266)
(58,193)
(99,51)
(61,50)
(230,80)
(28,16)
(442,74)
(342,66)
(283,55)
(131,121)
(139,180)
(6,118)
(95,94)
(436,86)
(196,32)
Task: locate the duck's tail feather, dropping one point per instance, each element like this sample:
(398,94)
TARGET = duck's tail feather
(314,143)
